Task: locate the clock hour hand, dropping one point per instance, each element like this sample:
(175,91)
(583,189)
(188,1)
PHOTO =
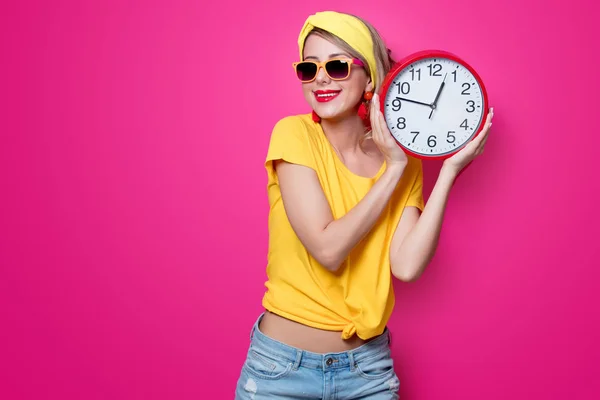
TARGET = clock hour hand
(413,101)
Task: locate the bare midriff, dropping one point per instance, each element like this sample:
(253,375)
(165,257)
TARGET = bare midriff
(305,337)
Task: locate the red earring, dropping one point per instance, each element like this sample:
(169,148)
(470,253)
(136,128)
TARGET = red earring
(363,111)
(315,117)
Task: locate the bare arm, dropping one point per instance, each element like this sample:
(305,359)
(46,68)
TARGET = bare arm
(416,238)
(330,240)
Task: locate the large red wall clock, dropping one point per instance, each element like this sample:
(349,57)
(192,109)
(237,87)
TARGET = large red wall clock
(434,104)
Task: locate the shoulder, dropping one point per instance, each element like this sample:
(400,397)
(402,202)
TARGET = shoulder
(296,131)
(300,124)
(294,139)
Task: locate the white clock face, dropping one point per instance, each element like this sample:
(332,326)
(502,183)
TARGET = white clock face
(428,121)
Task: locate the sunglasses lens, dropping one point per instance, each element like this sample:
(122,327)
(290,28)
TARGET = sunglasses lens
(338,69)
(306,71)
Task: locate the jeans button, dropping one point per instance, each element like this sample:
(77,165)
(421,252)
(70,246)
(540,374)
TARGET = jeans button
(329,362)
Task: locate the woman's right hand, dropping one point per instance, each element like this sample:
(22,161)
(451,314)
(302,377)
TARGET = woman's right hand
(392,152)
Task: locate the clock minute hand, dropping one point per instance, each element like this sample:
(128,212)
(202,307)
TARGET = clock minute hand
(413,101)
(437,96)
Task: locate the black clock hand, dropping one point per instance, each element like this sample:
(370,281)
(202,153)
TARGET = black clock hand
(437,96)
(414,101)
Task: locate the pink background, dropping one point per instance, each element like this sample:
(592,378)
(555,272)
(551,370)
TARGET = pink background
(133,215)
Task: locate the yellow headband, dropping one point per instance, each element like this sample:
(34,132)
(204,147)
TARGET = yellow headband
(348,28)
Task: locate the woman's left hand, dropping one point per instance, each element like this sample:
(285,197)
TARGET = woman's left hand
(473,149)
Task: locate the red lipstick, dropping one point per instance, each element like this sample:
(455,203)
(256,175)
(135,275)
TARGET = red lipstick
(324,96)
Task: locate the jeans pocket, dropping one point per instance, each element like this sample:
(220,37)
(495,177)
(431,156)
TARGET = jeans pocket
(377,367)
(266,366)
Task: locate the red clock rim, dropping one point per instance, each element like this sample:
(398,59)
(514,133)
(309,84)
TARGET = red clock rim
(414,57)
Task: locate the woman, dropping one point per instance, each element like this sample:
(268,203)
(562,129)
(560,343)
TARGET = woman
(346,215)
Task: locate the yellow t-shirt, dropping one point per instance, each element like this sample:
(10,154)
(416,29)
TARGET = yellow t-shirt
(359,297)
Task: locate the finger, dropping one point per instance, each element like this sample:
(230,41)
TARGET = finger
(490,114)
(487,136)
(484,136)
(385,130)
(374,134)
(375,120)
(488,122)
(373,114)
(386,135)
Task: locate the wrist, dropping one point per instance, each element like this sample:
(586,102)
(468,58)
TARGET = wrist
(448,173)
(395,169)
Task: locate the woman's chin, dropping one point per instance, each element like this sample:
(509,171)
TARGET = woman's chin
(333,115)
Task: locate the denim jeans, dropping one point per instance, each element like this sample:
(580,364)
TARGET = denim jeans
(274,370)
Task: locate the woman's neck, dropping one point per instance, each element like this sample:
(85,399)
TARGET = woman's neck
(345,134)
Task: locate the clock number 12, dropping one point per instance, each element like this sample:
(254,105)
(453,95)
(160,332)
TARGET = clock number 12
(438,69)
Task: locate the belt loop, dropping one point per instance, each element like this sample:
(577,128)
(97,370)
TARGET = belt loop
(351,361)
(298,359)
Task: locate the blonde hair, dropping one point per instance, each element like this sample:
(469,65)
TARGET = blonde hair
(384,61)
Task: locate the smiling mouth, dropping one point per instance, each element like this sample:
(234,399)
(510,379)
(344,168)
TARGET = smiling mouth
(326,95)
